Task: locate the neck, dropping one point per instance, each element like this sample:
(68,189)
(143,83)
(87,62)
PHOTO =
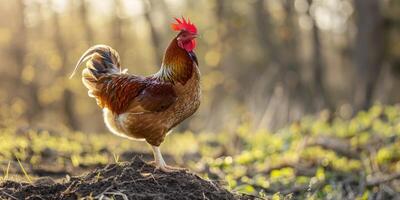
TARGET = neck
(177,64)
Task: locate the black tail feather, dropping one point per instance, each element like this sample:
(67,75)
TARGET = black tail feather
(102,60)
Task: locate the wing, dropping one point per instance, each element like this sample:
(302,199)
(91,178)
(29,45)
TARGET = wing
(116,92)
(155,97)
(128,93)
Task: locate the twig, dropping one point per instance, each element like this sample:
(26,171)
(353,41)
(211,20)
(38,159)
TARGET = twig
(378,181)
(204,196)
(300,169)
(7,171)
(277,167)
(9,195)
(101,195)
(213,184)
(341,147)
(118,194)
(389,190)
(154,179)
(24,171)
(303,188)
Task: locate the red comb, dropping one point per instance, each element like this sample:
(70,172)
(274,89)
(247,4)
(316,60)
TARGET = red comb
(182,24)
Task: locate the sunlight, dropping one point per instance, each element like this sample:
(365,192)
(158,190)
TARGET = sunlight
(133,7)
(331,14)
(264,99)
(60,5)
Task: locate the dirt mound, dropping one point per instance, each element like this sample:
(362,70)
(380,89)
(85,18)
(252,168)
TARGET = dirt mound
(129,180)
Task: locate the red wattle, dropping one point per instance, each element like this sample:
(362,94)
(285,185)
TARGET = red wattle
(189,46)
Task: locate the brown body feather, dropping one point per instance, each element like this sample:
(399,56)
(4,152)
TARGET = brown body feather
(143,107)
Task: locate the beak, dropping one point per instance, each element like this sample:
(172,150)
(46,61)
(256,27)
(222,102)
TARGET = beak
(188,37)
(194,36)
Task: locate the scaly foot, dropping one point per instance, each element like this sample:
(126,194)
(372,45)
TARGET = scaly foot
(165,168)
(175,168)
(159,162)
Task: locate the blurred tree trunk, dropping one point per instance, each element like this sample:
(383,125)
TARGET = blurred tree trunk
(290,36)
(318,63)
(83,16)
(265,32)
(368,52)
(296,91)
(271,46)
(28,88)
(155,38)
(117,28)
(220,16)
(163,8)
(68,97)
(20,39)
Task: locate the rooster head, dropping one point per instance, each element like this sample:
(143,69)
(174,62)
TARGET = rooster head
(187,33)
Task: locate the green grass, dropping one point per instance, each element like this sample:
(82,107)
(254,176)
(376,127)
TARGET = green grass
(318,157)
(334,155)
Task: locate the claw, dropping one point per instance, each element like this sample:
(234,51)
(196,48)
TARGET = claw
(175,168)
(163,167)
(166,169)
(159,162)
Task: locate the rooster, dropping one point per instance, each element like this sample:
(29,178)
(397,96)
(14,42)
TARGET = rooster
(146,108)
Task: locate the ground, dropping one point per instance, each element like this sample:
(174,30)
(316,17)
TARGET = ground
(129,180)
(326,156)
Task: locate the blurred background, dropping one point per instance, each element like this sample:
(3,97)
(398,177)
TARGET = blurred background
(266,63)
(299,96)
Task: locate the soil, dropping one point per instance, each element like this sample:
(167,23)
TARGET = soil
(129,180)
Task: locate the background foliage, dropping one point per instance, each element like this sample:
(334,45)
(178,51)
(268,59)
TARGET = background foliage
(288,91)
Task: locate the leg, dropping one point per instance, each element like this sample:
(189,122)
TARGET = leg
(160,163)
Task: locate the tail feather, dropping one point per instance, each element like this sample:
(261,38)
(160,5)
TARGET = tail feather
(102,60)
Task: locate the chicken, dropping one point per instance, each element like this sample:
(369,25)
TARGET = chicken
(146,108)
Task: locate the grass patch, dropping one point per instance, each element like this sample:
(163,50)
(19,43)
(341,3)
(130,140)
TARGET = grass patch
(318,157)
